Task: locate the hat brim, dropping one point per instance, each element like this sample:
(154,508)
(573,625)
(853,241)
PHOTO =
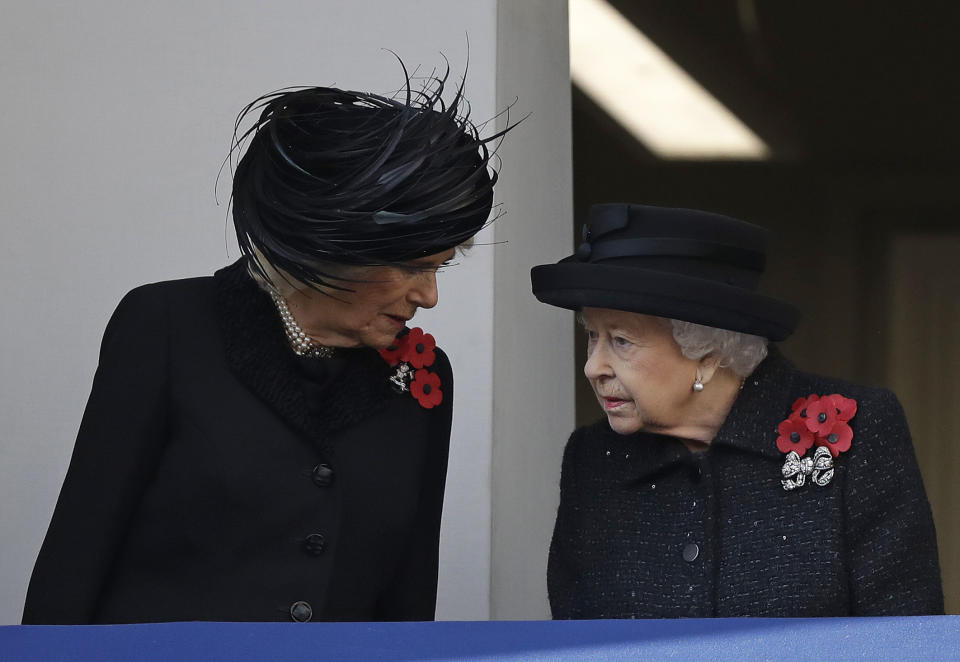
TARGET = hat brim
(577,285)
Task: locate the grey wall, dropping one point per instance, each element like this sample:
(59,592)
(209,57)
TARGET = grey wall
(534,372)
(116,120)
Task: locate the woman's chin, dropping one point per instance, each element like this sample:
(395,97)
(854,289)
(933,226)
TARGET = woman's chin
(624,424)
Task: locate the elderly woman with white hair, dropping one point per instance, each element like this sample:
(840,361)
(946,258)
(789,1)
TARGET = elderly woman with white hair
(722,481)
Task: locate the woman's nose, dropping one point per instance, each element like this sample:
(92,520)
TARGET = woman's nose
(424,291)
(597,365)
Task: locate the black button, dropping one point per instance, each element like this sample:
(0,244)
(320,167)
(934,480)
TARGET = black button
(301,611)
(322,475)
(690,552)
(315,544)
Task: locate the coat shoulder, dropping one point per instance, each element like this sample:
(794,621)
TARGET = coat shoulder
(808,383)
(877,407)
(582,439)
(180,290)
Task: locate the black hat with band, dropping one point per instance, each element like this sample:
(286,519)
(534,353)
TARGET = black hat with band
(683,264)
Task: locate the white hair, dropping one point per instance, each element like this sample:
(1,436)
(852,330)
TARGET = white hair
(740,352)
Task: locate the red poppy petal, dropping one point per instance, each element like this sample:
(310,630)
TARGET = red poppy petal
(848,408)
(798,404)
(787,429)
(822,409)
(846,434)
(391,357)
(838,439)
(429,358)
(784,445)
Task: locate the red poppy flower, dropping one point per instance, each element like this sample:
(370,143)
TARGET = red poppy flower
(396,352)
(419,349)
(837,439)
(425,387)
(821,416)
(846,408)
(799,407)
(794,436)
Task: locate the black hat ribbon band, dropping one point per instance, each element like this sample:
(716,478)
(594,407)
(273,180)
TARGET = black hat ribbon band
(671,247)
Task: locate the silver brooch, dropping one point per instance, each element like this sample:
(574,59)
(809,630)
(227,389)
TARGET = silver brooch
(402,377)
(796,469)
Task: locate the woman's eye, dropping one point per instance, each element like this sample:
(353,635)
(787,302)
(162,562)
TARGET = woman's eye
(621,342)
(591,335)
(417,269)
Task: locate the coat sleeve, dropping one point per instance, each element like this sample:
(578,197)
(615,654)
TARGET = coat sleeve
(561,570)
(117,449)
(412,596)
(891,540)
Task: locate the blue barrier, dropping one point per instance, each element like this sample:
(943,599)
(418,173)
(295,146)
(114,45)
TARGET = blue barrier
(781,640)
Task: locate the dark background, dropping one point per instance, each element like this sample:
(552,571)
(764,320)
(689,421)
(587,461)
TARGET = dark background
(860,105)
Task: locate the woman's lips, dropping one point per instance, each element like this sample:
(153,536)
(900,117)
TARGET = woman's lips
(613,403)
(400,322)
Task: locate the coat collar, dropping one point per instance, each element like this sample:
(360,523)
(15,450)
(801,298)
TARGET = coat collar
(763,403)
(750,427)
(259,355)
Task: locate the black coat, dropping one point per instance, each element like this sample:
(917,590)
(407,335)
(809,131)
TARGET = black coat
(195,491)
(646,529)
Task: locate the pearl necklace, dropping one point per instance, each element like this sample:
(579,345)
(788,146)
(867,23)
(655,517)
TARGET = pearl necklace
(300,342)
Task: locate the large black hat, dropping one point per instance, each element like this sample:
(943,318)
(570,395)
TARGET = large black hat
(347,177)
(677,263)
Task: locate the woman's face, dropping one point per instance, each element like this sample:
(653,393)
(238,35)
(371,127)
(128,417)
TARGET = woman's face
(636,369)
(377,308)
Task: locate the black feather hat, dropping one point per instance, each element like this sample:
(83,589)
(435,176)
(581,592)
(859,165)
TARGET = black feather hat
(683,264)
(345,177)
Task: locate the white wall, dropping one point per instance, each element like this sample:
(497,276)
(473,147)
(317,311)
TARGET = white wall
(117,117)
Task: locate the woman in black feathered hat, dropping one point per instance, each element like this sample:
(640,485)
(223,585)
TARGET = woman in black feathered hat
(270,443)
(722,481)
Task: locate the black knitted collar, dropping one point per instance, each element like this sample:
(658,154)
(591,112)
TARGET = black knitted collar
(259,355)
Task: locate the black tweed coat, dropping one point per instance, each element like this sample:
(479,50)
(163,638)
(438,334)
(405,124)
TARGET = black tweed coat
(202,488)
(646,529)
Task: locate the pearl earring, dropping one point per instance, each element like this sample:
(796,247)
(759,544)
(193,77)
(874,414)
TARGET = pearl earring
(697,385)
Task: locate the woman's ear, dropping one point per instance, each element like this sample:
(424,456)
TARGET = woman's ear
(707,367)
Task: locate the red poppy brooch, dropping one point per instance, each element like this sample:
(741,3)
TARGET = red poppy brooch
(412,353)
(821,421)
